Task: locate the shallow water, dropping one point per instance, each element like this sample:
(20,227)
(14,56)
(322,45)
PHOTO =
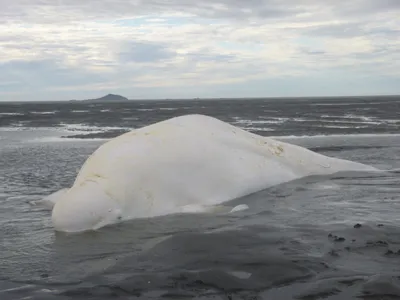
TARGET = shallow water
(332,237)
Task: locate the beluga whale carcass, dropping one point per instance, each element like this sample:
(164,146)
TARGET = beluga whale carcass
(178,165)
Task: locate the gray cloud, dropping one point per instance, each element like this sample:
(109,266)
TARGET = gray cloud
(349,30)
(144,52)
(50,74)
(312,52)
(42,11)
(51,11)
(210,57)
(359,7)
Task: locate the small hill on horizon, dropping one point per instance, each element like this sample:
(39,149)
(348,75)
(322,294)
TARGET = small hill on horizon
(109,98)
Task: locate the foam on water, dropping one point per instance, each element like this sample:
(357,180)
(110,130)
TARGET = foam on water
(44,112)
(56,139)
(352,135)
(353,122)
(19,128)
(256,122)
(265,120)
(391,121)
(350,119)
(11,114)
(341,127)
(10,129)
(250,128)
(340,104)
(81,128)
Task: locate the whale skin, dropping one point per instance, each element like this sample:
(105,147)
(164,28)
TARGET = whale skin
(170,166)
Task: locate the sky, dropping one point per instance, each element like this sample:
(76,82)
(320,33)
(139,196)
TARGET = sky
(151,49)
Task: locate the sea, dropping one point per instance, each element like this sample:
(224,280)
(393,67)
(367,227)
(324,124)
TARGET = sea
(321,237)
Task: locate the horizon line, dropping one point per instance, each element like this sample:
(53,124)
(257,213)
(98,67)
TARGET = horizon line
(200,98)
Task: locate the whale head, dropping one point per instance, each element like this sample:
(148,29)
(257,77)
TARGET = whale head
(83,208)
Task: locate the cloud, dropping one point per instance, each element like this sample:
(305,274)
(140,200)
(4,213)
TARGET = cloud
(143,52)
(147,48)
(48,11)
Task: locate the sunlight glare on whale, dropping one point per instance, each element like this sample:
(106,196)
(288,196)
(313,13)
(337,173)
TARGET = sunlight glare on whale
(181,165)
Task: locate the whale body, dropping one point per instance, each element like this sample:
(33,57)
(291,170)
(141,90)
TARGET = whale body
(177,164)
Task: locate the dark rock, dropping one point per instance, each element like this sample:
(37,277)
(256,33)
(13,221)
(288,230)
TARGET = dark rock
(339,239)
(333,253)
(377,243)
(389,252)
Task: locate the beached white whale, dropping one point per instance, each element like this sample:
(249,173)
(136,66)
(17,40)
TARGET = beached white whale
(180,165)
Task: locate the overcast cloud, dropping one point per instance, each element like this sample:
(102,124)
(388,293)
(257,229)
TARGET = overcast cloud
(59,49)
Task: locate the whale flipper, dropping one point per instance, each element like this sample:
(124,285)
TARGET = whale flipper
(49,201)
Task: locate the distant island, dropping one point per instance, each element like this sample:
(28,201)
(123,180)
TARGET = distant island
(109,98)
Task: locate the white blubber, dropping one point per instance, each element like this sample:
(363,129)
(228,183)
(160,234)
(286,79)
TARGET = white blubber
(181,165)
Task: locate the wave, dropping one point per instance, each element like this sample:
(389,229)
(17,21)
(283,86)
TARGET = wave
(21,127)
(168,108)
(44,112)
(73,128)
(271,120)
(90,128)
(258,128)
(340,121)
(55,139)
(344,104)
(355,135)
(342,127)
(11,114)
